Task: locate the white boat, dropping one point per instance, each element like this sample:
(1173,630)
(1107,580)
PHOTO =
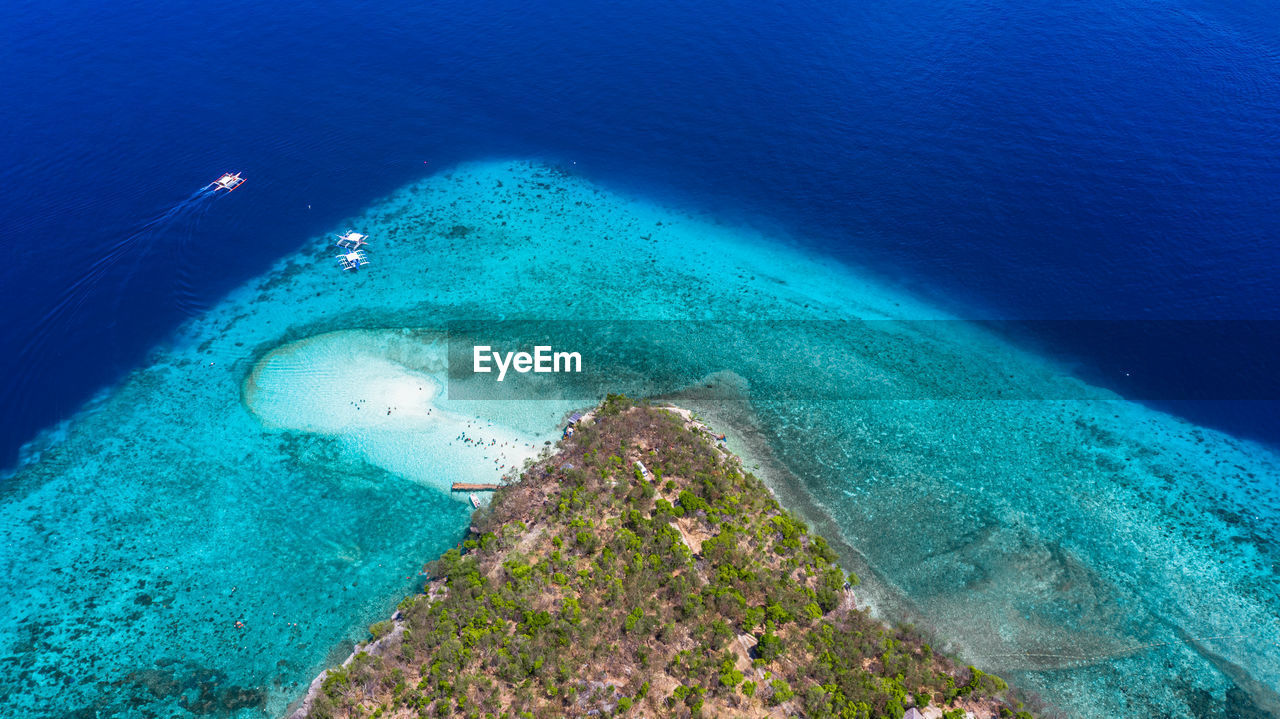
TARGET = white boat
(227,182)
(353,260)
(352,240)
(475,502)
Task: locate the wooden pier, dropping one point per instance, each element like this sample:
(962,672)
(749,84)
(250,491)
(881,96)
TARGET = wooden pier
(468,487)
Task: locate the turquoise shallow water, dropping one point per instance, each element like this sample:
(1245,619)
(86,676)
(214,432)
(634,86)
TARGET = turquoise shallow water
(1108,557)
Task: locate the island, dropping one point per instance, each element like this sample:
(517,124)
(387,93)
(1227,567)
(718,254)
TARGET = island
(639,570)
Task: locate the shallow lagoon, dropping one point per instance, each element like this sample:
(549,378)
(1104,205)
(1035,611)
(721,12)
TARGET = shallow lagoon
(1103,555)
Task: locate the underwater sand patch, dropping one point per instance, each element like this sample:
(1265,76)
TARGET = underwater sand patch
(338,382)
(382,392)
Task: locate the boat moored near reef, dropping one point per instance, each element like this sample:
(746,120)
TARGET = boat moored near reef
(353,260)
(354,257)
(351,240)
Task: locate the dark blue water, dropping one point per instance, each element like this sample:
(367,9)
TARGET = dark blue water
(1115,160)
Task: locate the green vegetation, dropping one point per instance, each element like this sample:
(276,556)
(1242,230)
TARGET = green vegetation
(591,590)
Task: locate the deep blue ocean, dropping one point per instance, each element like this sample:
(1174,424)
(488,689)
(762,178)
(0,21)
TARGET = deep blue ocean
(1038,160)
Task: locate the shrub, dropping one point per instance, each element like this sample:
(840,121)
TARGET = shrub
(632,619)
(691,502)
(769,647)
(982,684)
(729,674)
(571,611)
(587,541)
(781,691)
(379,630)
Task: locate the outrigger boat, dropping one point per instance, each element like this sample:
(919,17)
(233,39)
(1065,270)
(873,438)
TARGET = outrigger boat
(353,260)
(352,240)
(227,182)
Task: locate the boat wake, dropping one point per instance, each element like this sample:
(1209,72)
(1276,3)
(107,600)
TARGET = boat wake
(121,260)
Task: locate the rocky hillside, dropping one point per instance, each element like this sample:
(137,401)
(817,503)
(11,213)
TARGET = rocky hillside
(639,571)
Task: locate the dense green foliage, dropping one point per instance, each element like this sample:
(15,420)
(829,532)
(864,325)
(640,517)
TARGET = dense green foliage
(591,588)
